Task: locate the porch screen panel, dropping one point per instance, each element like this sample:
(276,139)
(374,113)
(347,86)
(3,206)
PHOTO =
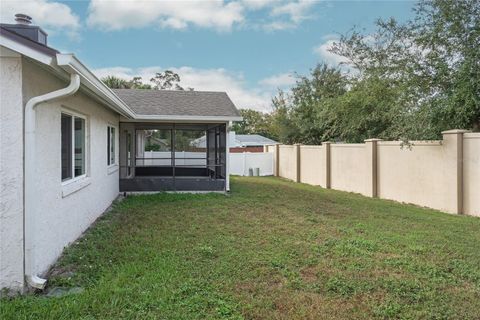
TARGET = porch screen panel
(211,151)
(222,143)
(154,147)
(190,148)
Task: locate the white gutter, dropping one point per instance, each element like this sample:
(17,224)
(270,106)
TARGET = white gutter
(30,177)
(173,118)
(71,64)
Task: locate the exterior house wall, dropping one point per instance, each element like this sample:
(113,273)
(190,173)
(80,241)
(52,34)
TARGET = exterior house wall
(64,211)
(11,172)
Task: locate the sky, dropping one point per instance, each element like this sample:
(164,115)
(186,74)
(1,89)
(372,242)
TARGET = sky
(248,48)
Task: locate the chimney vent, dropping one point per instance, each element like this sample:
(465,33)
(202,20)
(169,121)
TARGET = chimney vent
(25,28)
(23,19)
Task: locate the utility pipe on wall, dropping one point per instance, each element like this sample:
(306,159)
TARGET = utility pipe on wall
(29,223)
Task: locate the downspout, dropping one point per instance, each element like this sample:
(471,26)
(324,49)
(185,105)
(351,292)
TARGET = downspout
(29,224)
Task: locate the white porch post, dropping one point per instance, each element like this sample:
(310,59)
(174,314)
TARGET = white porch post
(227,156)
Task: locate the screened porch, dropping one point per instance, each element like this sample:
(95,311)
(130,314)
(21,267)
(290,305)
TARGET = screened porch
(172,157)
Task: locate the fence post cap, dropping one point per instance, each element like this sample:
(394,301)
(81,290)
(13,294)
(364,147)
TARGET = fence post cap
(455,131)
(372,140)
(327,142)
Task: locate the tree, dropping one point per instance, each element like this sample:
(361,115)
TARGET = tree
(254,122)
(136,83)
(115,82)
(167,80)
(433,61)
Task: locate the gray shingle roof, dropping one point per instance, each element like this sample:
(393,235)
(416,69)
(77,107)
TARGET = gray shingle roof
(178,103)
(253,140)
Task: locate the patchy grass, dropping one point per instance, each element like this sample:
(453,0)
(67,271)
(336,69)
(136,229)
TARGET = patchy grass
(271,250)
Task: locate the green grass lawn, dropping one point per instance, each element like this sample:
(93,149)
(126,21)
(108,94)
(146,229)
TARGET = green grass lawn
(271,250)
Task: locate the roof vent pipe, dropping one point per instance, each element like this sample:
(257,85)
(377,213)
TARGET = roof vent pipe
(23,19)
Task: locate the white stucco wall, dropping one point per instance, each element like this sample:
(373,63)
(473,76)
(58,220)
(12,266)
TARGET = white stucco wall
(424,174)
(11,171)
(350,167)
(312,164)
(471,174)
(288,162)
(60,214)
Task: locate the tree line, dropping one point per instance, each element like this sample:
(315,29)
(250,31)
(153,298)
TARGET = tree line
(166,80)
(405,81)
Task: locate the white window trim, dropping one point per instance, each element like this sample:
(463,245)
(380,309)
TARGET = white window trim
(112,167)
(73,179)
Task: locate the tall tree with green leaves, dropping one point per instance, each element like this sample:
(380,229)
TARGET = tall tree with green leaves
(167,80)
(115,83)
(432,60)
(254,122)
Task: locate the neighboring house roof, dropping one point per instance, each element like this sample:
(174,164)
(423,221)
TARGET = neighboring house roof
(238,140)
(178,102)
(250,140)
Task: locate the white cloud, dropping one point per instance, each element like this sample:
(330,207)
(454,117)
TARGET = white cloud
(221,15)
(258,4)
(126,14)
(281,81)
(297,11)
(328,57)
(203,80)
(50,15)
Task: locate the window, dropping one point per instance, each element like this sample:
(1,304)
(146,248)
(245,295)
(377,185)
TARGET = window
(73,146)
(110,145)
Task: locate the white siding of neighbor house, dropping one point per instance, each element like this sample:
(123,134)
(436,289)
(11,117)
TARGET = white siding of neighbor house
(63,211)
(11,171)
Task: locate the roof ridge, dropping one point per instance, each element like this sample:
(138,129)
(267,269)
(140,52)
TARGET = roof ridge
(167,90)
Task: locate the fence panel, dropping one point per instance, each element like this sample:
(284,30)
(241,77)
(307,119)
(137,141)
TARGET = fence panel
(240,163)
(443,175)
(288,165)
(312,165)
(471,174)
(349,168)
(423,173)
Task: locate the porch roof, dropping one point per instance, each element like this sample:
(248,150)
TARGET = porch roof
(178,103)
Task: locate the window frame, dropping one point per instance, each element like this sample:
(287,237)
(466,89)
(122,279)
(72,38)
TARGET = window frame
(74,115)
(109,145)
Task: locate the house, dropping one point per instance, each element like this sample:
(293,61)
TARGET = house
(69,145)
(249,142)
(242,142)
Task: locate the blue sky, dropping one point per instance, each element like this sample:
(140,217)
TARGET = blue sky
(248,48)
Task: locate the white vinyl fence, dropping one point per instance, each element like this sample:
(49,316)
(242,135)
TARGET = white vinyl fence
(240,163)
(163,158)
